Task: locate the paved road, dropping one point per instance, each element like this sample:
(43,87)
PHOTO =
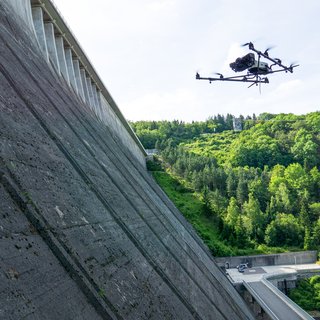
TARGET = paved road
(273,305)
(257,273)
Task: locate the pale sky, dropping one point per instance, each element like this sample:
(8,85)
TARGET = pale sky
(148,51)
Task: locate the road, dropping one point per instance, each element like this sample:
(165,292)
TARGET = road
(272,304)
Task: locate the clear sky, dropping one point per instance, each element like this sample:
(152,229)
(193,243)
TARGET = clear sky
(148,51)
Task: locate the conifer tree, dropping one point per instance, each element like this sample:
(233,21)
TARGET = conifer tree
(251,209)
(231,184)
(206,201)
(233,212)
(241,234)
(242,190)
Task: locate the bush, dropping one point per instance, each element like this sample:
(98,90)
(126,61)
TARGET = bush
(154,165)
(315,280)
(307,293)
(285,230)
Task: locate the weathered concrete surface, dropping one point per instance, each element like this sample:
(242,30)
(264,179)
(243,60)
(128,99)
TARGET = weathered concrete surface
(59,46)
(33,282)
(84,231)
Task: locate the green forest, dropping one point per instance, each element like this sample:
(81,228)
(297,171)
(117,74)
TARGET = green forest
(251,191)
(307,293)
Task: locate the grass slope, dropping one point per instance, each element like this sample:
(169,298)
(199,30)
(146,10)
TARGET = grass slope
(192,207)
(190,204)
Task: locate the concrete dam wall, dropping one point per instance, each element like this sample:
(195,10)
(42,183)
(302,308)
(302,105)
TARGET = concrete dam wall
(85,232)
(64,54)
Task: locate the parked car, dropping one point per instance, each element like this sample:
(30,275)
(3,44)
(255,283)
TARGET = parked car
(242,266)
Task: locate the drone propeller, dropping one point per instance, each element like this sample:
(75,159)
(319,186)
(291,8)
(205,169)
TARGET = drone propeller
(219,74)
(249,44)
(268,49)
(198,73)
(292,65)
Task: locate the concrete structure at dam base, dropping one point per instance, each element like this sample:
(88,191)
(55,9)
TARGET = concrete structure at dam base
(85,232)
(268,279)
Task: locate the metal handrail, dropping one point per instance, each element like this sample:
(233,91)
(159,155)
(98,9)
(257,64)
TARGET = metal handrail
(291,304)
(262,304)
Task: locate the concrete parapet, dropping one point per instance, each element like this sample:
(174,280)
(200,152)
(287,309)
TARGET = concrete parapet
(62,58)
(271,290)
(300,313)
(286,281)
(37,15)
(71,73)
(51,45)
(296,257)
(99,103)
(23,9)
(95,99)
(76,67)
(84,85)
(302,257)
(90,91)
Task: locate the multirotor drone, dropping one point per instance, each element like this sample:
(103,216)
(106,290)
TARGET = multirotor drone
(256,68)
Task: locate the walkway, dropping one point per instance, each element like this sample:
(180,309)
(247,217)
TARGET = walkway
(276,304)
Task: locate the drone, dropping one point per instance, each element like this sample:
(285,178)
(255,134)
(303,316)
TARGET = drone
(256,68)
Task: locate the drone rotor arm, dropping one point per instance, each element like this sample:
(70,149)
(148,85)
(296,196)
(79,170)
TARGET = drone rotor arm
(242,78)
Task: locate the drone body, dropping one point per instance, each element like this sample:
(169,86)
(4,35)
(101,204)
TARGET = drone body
(249,62)
(256,69)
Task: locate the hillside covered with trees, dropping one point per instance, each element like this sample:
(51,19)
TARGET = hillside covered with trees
(307,293)
(256,189)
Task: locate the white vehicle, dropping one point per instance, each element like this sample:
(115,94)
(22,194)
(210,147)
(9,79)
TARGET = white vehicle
(242,266)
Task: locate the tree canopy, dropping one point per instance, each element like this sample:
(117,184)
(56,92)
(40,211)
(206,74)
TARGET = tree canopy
(260,186)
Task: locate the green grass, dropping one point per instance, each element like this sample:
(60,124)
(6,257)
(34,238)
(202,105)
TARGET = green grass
(183,197)
(191,206)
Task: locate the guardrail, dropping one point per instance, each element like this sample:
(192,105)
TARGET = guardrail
(291,304)
(260,301)
(296,309)
(287,258)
